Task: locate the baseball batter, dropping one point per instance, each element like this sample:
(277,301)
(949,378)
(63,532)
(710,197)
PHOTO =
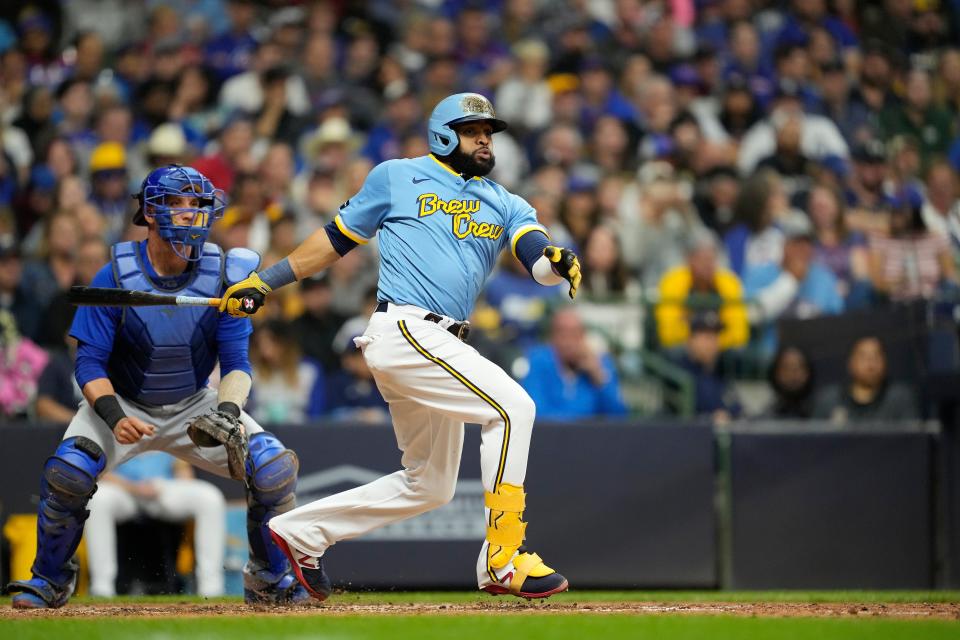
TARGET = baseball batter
(441,226)
(143,372)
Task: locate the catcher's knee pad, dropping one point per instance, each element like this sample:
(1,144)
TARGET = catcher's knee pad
(70,474)
(505,529)
(271,470)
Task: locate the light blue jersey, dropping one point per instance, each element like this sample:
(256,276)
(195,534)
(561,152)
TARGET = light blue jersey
(440,234)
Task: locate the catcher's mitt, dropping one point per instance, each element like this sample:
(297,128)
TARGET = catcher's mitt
(219,427)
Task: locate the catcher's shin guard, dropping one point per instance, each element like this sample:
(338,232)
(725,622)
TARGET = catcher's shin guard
(69,479)
(271,481)
(510,568)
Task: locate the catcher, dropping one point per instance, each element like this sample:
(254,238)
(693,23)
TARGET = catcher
(143,372)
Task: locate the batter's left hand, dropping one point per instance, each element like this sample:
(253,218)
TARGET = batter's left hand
(566,265)
(245,297)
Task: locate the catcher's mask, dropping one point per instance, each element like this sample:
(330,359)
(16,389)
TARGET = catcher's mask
(175,180)
(456,109)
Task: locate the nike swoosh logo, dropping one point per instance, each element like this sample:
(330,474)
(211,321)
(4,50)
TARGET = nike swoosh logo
(504,579)
(415,181)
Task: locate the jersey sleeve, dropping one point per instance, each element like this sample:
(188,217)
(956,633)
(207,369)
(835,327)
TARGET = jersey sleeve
(98,325)
(521,219)
(361,216)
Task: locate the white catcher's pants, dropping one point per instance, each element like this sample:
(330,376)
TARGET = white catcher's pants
(177,500)
(433,383)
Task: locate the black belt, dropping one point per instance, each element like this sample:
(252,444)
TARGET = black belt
(460,329)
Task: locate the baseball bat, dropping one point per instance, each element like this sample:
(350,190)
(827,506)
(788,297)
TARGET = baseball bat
(107,297)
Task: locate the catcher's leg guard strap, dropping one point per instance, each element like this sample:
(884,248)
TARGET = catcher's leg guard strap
(69,479)
(505,529)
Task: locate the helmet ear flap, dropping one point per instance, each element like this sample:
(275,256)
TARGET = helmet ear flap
(443,140)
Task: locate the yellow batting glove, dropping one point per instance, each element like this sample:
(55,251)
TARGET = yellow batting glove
(566,265)
(245,297)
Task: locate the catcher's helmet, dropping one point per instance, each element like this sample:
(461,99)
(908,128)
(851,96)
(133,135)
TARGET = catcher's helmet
(460,107)
(174,180)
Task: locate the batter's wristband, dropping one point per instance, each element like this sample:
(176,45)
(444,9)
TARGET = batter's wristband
(109,409)
(229,407)
(279,275)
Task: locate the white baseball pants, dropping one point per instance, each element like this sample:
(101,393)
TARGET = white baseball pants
(434,383)
(177,500)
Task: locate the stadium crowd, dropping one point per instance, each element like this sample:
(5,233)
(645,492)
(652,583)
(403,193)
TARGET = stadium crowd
(719,165)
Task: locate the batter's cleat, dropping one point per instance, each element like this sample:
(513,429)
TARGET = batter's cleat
(527,577)
(37,593)
(263,587)
(308,569)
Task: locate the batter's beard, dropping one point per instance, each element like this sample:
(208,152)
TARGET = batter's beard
(469,166)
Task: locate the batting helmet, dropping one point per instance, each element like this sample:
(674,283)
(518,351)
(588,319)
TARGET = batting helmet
(174,180)
(455,109)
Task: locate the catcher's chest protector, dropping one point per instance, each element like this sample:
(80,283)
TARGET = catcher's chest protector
(162,355)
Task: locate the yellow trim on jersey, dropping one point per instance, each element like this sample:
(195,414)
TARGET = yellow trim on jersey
(347,232)
(449,168)
(522,231)
(472,387)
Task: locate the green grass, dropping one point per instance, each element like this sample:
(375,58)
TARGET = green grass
(573,625)
(486,627)
(400,597)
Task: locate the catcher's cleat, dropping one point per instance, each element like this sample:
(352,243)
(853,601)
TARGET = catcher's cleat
(263,587)
(313,578)
(37,593)
(527,577)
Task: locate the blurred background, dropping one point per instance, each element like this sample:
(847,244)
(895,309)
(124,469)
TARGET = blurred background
(757,385)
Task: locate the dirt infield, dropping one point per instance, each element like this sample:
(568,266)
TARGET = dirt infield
(923,611)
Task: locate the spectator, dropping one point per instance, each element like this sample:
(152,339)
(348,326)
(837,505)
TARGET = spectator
(754,241)
(700,285)
(868,395)
(229,54)
(108,174)
(156,485)
(717,194)
(791,379)
(912,263)
(941,215)
(232,155)
(15,299)
(655,219)
(352,392)
(798,287)
(866,183)
(21,365)
(843,252)
(524,97)
(317,326)
(58,394)
(712,398)
(919,118)
(248,92)
(567,378)
(819,136)
(167,145)
(287,388)
(56,268)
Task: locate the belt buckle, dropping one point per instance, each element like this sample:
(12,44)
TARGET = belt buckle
(463,330)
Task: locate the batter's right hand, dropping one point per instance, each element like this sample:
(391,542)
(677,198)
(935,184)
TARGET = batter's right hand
(130,429)
(566,265)
(245,297)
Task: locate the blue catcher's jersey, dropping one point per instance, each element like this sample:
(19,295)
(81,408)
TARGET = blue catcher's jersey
(439,234)
(161,355)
